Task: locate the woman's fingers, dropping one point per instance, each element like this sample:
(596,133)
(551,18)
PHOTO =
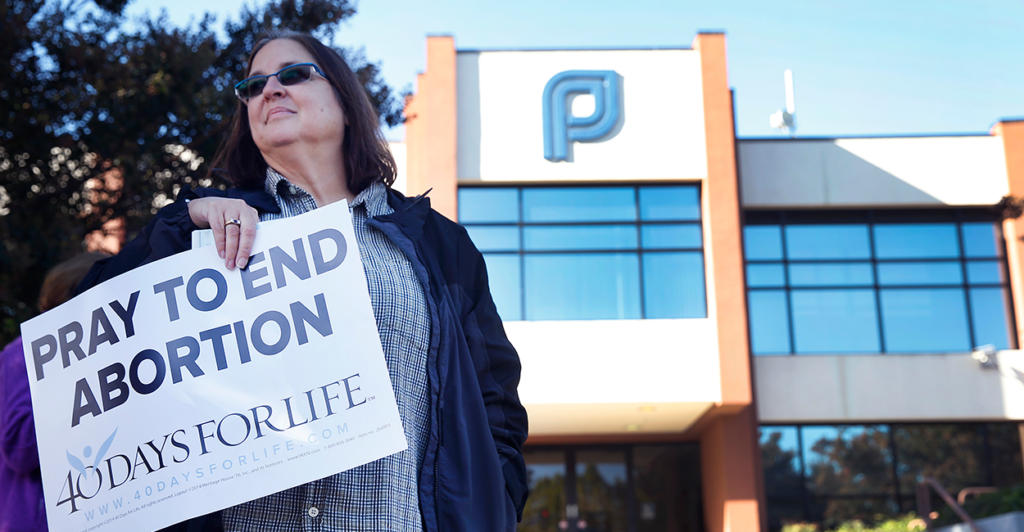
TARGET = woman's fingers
(234,227)
(247,236)
(197,210)
(231,232)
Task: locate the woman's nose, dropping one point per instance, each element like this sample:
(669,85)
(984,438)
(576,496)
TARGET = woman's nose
(273,88)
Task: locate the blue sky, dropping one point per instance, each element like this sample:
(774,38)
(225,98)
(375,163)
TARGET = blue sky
(860,68)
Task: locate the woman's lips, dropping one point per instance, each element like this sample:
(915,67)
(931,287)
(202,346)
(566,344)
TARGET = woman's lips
(278,111)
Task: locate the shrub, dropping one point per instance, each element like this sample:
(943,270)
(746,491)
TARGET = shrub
(907,523)
(1005,500)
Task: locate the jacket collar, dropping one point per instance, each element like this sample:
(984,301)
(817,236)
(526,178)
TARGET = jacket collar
(410,213)
(255,197)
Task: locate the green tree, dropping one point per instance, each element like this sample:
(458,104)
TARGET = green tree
(855,462)
(1006,500)
(953,454)
(782,479)
(602,498)
(781,467)
(546,505)
(104,121)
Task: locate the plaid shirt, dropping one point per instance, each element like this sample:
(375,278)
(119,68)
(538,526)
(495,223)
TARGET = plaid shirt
(381,495)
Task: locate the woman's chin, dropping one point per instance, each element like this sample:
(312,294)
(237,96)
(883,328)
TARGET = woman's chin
(281,139)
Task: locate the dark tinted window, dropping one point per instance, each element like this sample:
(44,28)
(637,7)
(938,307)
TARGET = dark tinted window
(828,474)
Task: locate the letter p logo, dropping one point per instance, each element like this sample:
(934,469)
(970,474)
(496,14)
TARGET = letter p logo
(561,127)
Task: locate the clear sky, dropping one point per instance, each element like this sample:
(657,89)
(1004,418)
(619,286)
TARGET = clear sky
(861,68)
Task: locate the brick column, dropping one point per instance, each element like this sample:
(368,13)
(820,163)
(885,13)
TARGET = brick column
(1012,133)
(730,455)
(430,129)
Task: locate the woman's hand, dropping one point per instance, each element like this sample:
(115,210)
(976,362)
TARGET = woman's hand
(234,242)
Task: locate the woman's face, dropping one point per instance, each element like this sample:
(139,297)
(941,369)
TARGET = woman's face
(304,116)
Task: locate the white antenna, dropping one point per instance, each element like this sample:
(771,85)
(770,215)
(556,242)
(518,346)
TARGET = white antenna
(786,118)
(790,98)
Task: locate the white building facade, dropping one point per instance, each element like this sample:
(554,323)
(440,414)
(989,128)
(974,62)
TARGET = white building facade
(711,328)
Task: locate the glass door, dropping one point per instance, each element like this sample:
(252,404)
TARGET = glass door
(626,488)
(604,490)
(546,506)
(667,485)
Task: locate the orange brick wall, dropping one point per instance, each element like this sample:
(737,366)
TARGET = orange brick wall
(730,455)
(430,129)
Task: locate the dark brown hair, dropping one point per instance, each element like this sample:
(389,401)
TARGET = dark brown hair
(62,279)
(366,153)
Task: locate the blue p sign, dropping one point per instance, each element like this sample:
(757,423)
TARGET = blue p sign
(561,127)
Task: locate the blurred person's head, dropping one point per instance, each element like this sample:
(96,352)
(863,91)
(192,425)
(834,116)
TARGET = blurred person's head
(61,280)
(326,105)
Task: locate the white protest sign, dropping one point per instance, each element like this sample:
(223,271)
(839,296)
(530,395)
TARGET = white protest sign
(181,388)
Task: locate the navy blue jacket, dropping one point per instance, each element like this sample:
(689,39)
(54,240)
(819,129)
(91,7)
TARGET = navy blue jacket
(473,477)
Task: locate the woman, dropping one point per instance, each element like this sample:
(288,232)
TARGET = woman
(305,135)
(21,487)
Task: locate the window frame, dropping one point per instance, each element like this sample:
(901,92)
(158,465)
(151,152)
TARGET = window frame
(638,223)
(870,219)
(901,495)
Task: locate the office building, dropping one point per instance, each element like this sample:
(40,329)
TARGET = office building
(720,333)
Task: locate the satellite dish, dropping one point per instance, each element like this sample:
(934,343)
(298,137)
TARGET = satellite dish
(785,119)
(782,119)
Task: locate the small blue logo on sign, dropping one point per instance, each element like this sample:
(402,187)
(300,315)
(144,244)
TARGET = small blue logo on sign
(87,453)
(561,127)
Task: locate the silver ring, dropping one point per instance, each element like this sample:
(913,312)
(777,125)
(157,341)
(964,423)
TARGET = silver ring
(233,221)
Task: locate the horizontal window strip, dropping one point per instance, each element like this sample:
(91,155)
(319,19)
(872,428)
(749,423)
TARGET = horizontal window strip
(890,278)
(696,222)
(590,252)
(608,250)
(886,287)
(858,261)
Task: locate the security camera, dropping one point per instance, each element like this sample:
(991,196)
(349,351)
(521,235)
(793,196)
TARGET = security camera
(986,356)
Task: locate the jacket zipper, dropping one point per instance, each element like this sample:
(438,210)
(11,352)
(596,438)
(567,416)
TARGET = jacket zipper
(440,418)
(437,367)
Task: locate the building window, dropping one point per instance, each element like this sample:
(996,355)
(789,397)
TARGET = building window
(828,474)
(579,253)
(875,282)
(634,488)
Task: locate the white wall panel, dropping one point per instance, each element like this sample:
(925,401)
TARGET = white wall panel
(616,376)
(879,172)
(500,120)
(613,418)
(617,361)
(865,388)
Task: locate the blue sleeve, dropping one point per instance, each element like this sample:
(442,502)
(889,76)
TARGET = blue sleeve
(17,430)
(168,233)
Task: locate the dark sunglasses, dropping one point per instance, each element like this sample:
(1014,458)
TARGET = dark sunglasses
(287,76)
